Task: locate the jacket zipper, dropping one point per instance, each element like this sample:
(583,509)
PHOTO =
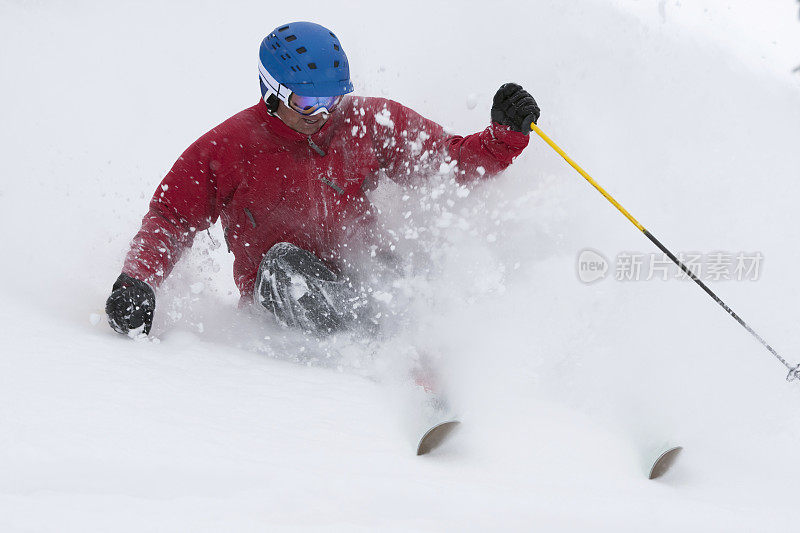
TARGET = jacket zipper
(315,147)
(321,152)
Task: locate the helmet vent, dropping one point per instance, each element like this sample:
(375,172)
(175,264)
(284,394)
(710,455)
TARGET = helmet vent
(335,64)
(312,66)
(332,35)
(291,38)
(301,50)
(336,47)
(284,28)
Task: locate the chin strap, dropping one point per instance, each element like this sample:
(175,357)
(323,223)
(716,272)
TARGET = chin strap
(272,102)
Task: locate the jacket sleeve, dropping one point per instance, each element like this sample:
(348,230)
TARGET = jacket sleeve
(184,203)
(409,144)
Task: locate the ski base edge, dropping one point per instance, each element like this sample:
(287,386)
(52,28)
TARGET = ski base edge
(436,435)
(664,462)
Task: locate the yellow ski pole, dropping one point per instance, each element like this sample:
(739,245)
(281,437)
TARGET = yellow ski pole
(794,370)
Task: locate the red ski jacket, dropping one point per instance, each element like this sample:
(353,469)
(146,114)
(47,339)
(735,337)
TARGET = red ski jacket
(269,183)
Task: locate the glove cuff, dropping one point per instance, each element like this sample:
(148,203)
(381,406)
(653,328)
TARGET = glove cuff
(508,136)
(124,280)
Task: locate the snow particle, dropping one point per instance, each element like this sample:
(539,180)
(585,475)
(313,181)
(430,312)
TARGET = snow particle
(384,118)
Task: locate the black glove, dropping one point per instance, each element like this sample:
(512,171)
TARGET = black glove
(130,305)
(513,106)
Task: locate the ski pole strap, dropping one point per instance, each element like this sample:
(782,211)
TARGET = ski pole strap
(794,370)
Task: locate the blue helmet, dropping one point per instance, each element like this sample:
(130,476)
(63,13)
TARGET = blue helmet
(304,58)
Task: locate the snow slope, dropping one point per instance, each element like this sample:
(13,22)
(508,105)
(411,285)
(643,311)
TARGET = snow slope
(213,425)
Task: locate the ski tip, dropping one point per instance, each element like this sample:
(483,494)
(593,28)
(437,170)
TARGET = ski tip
(664,462)
(435,436)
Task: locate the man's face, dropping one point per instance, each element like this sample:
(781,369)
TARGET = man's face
(307,125)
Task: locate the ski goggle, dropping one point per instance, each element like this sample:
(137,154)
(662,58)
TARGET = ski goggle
(313,105)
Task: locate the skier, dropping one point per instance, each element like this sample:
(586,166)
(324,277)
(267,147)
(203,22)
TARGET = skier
(288,177)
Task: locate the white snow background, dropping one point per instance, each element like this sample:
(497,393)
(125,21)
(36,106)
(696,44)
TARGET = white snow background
(687,112)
